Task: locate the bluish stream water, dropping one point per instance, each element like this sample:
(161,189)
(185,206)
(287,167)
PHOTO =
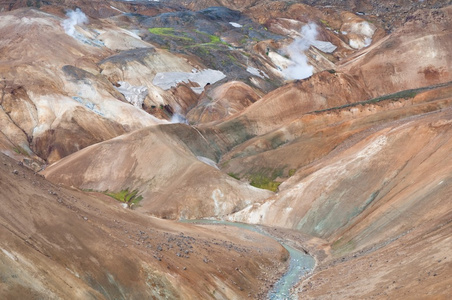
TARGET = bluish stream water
(299,265)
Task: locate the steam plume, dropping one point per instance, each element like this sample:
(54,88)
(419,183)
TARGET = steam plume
(75,17)
(178,118)
(299,67)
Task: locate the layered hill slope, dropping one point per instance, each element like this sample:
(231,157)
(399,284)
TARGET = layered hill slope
(223,101)
(416,262)
(369,145)
(414,56)
(52,90)
(373,183)
(78,245)
(358,79)
(352,158)
(174,181)
(263,141)
(286,104)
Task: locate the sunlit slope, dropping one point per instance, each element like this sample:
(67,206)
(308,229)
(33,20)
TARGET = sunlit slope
(57,243)
(167,172)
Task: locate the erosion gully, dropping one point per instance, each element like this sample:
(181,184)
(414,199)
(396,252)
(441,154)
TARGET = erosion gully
(300,263)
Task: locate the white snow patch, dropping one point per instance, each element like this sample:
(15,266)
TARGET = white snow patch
(367,42)
(197,90)
(256,72)
(117,9)
(237,25)
(208,161)
(323,46)
(135,95)
(178,118)
(167,80)
(132,33)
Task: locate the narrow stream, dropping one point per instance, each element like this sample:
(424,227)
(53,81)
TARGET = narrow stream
(299,265)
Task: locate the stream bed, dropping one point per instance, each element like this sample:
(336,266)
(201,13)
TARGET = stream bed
(299,265)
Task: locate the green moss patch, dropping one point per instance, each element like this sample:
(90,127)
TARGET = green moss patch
(233,175)
(213,39)
(263,182)
(131,198)
(193,38)
(171,33)
(265,179)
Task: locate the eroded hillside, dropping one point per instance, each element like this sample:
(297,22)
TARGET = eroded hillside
(325,123)
(59,243)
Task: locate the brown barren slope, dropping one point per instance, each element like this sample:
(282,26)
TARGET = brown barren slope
(415,55)
(380,199)
(58,243)
(173,181)
(364,183)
